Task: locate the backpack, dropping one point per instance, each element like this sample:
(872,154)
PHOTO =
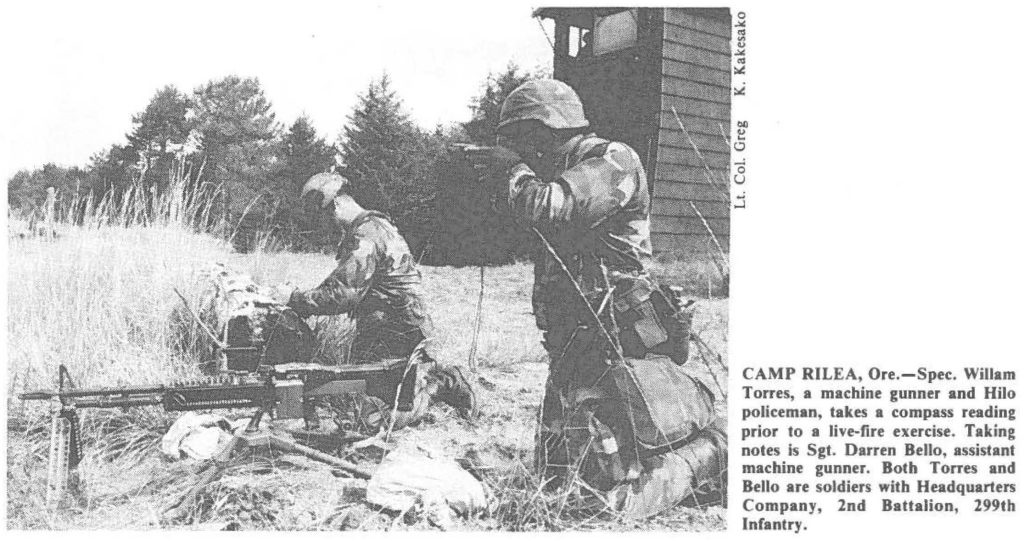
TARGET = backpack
(638,409)
(654,406)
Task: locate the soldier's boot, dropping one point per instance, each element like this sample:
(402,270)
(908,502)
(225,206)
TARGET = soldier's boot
(449,385)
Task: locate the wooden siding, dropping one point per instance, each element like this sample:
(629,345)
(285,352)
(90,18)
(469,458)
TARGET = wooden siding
(696,81)
(689,191)
(673,225)
(694,246)
(693,55)
(692,19)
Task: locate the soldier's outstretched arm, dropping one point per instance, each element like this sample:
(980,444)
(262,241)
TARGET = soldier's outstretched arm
(586,194)
(342,291)
(535,201)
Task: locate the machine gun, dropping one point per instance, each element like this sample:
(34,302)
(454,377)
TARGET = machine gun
(284,391)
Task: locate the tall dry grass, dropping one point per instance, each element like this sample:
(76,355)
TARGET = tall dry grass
(96,292)
(99,301)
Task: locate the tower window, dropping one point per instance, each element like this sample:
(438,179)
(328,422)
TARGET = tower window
(615,32)
(580,42)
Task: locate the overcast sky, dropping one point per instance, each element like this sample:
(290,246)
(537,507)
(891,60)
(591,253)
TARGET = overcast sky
(75,72)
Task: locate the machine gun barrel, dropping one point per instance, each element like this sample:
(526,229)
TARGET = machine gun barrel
(96,392)
(130,401)
(196,395)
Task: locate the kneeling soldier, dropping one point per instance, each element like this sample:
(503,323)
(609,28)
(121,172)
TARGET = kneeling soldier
(377,283)
(618,410)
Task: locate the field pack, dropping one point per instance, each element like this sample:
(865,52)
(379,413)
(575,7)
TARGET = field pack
(639,409)
(661,407)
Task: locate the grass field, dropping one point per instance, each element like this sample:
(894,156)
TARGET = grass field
(99,300)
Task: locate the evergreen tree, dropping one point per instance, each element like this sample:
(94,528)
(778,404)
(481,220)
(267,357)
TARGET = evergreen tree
(113,170)
(238,134)
(165,122)
(389,161)
(302,154)
(24,193)
(160,132)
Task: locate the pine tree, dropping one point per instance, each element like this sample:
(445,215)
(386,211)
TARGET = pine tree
(301,155)
(164,122)
(159,133)
(389,161)
(304,154)
(113,170)
(239,133)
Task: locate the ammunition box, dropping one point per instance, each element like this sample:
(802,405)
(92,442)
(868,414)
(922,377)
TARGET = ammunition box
(289,398)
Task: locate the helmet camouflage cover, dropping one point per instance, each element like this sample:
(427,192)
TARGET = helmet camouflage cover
(553,103)
(327,184)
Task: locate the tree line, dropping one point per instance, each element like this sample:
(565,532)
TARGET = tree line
(225,138)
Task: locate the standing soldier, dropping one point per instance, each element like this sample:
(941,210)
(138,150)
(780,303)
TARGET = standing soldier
(377,282)
(598,307)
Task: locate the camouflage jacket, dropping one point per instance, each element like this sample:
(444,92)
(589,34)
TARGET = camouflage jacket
(592,203)
(376,280)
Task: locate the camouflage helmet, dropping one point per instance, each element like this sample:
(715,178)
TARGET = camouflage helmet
(553,103)
(330,185)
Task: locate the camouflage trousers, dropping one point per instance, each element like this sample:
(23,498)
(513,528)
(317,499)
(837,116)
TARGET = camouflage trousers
(694,474)
(574,443)
(378,340)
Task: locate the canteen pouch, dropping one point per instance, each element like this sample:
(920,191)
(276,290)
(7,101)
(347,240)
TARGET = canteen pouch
(641,329)
(654,320)
(677,319)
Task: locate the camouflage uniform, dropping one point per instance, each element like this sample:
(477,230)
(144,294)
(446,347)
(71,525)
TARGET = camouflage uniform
(378,283)
(596,216)
(639,432)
